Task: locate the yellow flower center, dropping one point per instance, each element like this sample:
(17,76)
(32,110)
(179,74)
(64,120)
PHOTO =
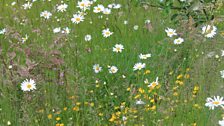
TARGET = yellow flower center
(82,4)
(78,19)
(28,86)
(107,33)
(45,14)
(170,33)
(216,102)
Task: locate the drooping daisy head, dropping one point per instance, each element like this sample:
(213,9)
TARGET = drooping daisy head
(144,56)
(153,84)
(28,85)
(170,32)
(118,48)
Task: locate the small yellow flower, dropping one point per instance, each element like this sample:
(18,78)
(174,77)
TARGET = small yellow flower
(175,94)
(76,108)
(97,85)
(141,90)
(153,107)
(65,108)
(91,104)
(49,116)
(180,76)
(152,100)
(188,69)
(147,72)
(137,96)
(58,118)
(100,114)
(171,73)
(113,117)
(118,113)
(187,76)
(78,103)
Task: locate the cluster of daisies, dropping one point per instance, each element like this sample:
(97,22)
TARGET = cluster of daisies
(208,31)
(172,32)
(113,69)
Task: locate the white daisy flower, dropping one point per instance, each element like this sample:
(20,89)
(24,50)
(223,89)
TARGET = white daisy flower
(221,123)
(125,22)
(154,84)
(222,51)
(222,73)
(178,41)
(27,5)
(88,37)
(106,11)
(209,31)
(216,102)
(117,6)
(110,5)
(99,8)
(140,102)
(65,30)
(113,69)
(28,85)
(45,14)
(2,31)
(139,66)
(118,48)
(170,32)
(144,56)
(24,39)
(57,30)
(13,3)
(77,18)
(135,27)
(106,33)
(62,7)
(147,21)
(97,68)
(84,5)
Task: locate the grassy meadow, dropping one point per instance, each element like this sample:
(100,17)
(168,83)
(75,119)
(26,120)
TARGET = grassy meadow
(86,76)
